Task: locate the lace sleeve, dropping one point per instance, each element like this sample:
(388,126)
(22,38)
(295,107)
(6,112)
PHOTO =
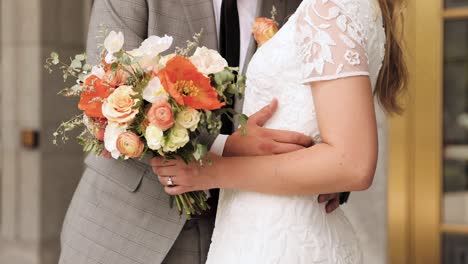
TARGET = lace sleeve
(332,44)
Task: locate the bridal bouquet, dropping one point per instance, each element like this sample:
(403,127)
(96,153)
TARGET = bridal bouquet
(140,102)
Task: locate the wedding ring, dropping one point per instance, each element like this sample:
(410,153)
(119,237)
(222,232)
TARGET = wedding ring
(170,182)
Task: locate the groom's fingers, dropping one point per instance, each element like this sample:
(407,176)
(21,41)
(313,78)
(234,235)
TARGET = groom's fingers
(333,205)
(323,198)
(262,116)
(290,137)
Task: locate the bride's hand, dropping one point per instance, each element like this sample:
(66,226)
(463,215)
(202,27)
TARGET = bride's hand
(186,177)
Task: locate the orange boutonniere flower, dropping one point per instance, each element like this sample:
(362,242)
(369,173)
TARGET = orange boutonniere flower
(265,28)
(91,98)
(188,86)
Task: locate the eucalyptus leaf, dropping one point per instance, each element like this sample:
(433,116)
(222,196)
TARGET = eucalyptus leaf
(87,67)
(55,58)
(80,57)
(76,64)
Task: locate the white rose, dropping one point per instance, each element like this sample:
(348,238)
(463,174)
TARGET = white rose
(114,42)
(112,132)
(208,61)
(154,137)
(155,91)
(178,137)
(189,119)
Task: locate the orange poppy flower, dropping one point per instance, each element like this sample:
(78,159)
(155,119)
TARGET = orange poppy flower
(188,86)
(90,99)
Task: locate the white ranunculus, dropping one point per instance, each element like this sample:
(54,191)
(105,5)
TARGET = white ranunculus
(155,91)
(114,42)
(112,132)
(178,137)
(154,137)
(153,46)
(98,71)
(189,119)
(208,61)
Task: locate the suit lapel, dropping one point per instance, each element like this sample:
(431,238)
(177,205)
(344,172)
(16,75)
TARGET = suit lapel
(200,15)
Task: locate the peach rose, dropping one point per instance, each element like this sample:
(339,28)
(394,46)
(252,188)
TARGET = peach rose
(264,29)
(130,145)
(160,115)
(118,107)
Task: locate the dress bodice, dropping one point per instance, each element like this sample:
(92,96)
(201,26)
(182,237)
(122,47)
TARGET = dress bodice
(323,40)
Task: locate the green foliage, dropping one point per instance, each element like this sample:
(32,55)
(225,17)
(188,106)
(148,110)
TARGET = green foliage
(191,45)
(90,143)
(62,131)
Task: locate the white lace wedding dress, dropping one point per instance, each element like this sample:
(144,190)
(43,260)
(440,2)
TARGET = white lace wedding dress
(322,40)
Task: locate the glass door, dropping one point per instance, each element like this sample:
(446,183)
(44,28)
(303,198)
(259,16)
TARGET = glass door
(454,206)
(428,166)
(428,163)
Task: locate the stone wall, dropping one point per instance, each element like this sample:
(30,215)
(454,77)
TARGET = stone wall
(37,184)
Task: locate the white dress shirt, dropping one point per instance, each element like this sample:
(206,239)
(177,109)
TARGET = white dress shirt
(247,15)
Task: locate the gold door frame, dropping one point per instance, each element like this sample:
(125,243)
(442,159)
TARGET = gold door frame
(415,142)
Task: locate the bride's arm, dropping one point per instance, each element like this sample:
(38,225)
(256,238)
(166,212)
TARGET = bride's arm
(344,161)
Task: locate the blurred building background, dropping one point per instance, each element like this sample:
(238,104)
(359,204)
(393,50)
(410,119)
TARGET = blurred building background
(36,182)
(416,212)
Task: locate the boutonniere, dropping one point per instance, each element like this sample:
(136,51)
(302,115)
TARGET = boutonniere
(265,28)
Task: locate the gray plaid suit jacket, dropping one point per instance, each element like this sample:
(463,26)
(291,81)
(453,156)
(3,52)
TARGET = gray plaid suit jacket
(119,213)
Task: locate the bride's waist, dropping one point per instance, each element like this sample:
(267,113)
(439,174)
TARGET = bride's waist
(253,199)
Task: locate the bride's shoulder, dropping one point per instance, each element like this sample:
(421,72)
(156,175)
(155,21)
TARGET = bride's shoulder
(350,7)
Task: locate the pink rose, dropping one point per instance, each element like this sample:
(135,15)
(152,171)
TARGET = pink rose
(130,145)
(160,115)
(118,107)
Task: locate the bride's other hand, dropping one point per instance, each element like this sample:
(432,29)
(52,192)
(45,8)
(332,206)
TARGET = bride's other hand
(260,141)
(186,177)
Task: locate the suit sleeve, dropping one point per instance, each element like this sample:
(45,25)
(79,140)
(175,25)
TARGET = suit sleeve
(129,17)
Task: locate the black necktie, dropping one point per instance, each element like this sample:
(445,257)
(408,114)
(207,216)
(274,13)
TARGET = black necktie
(230,32)
(229,41)
(229,44)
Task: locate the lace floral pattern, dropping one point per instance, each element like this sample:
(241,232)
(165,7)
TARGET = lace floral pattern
(323,40)
(332,41)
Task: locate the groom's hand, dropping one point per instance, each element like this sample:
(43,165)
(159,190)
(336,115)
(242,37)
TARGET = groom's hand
(332,200)
(260,141)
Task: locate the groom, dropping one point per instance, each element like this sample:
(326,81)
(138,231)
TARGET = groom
(119,212)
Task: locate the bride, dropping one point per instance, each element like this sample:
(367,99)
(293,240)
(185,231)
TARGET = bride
(321,71)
